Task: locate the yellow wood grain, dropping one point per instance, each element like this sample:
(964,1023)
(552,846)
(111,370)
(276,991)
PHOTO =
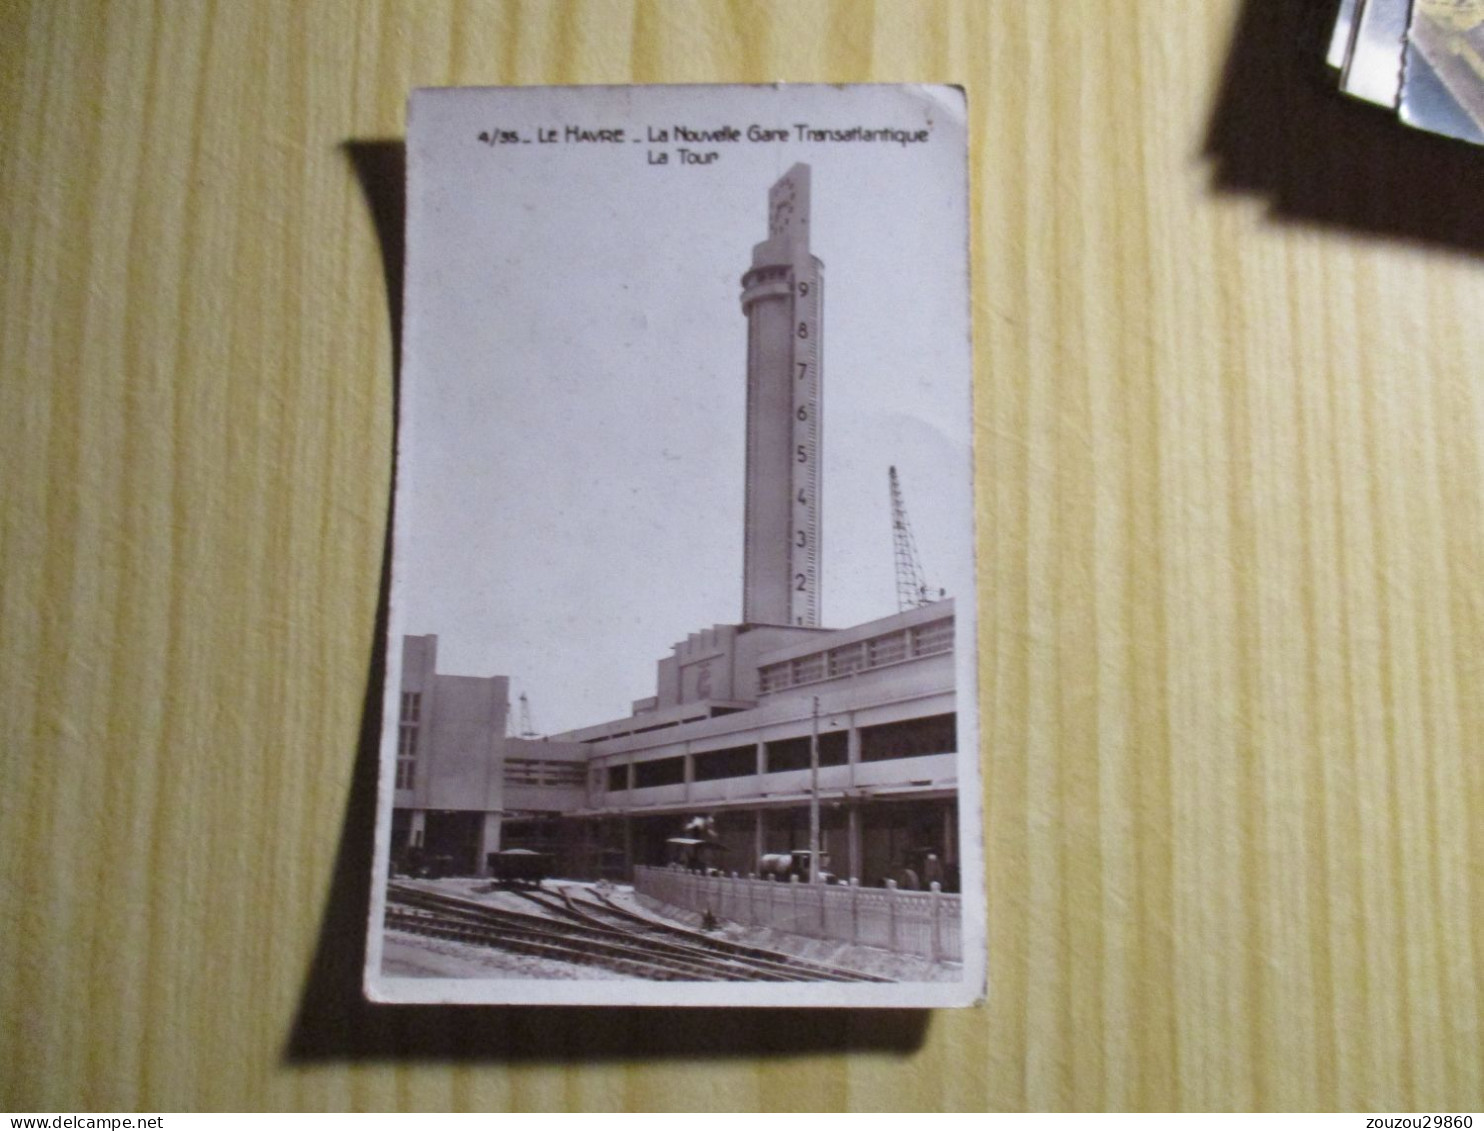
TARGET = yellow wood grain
(1232,546)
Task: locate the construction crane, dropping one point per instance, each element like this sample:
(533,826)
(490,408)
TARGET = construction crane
(527,730)
(912,587)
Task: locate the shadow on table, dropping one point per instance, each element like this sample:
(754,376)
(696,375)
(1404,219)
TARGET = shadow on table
(1282,130)
(336,1023)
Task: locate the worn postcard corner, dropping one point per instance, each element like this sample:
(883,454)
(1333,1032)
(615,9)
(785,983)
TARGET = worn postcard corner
(680,690)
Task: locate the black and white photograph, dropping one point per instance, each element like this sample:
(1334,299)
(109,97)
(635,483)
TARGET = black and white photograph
(680,690)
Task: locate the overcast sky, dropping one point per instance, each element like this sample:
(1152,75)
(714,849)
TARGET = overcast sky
(572,442)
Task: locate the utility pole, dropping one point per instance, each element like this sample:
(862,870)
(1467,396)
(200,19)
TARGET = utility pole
(814,796)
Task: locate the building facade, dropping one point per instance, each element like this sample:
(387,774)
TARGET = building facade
(880,697)
(726,737)
(463,787)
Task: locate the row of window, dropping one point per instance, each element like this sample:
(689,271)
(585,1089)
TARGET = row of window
(936,734)
(406,756)
(518,771)
(412,702)
(532,771)
(891,648)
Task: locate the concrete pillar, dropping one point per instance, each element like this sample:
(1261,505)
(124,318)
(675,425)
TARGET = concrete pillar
(417,834)
(688,765)
(759,838)
(489,841)
(762,760)
(853,749)
(853,837)
(950,835)
(628,840)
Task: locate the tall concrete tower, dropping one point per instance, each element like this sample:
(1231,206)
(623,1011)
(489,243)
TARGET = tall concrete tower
(783,300)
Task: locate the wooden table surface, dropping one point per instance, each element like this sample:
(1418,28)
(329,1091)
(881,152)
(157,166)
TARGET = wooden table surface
(1229,421)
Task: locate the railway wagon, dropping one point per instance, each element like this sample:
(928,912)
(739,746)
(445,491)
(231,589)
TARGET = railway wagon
(519,867)
(786,865)
(693,854)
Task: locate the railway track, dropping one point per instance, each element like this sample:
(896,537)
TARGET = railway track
(444,916)
(585,932)
(599,910)
(431,924)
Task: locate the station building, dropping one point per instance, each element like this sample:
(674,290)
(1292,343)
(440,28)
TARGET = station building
(726,736)
(880,697)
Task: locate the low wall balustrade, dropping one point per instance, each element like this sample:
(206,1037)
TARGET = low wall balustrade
(924,923)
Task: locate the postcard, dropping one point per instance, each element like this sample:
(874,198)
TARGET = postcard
(680,693)
(1443,87)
